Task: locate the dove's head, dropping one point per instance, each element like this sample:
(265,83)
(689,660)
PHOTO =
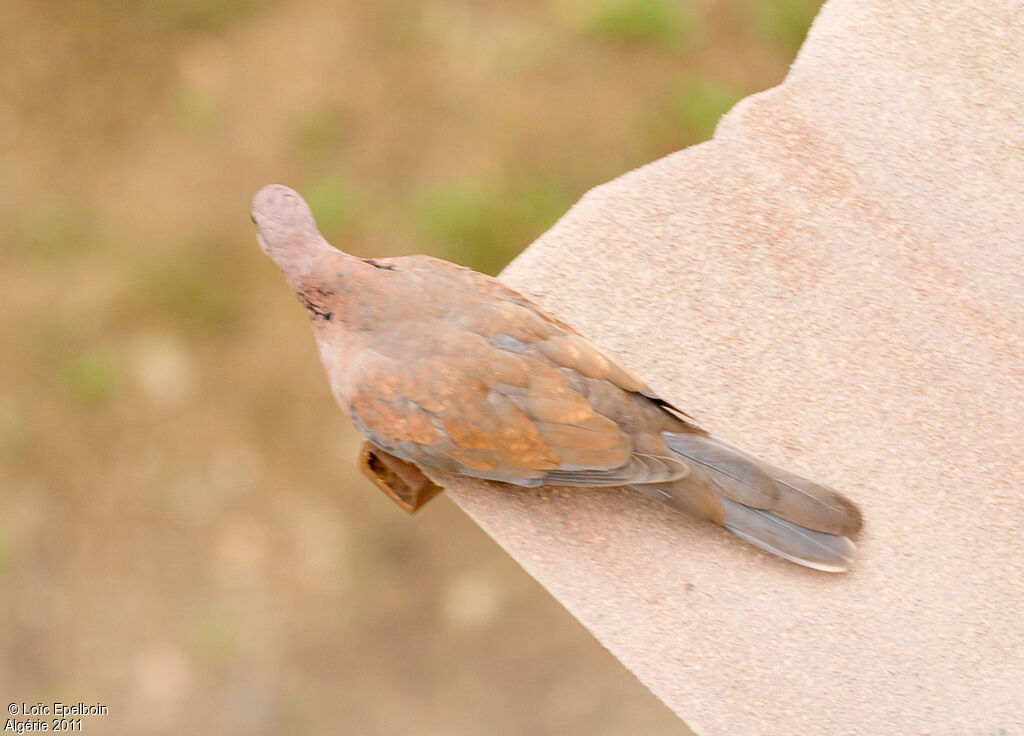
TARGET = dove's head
(286,229)
(319,273)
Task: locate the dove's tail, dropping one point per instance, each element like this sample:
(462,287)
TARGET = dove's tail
(787,515)
(828,552)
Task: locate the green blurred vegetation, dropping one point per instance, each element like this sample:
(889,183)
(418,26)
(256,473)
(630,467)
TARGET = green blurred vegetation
(202,15)
(92,375)
(482,223)
(672,24)
(783,22)
(56,226)
(317,136)
(198,291)
(14,431)
(334,202)
(687,112)
(697,105)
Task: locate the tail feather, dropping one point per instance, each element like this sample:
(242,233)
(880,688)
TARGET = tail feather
(742,478)
(821,551)
(778,511)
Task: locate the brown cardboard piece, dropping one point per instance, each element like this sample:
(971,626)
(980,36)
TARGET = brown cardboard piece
(401,481)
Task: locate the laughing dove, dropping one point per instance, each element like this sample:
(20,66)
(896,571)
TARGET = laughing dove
(451,370)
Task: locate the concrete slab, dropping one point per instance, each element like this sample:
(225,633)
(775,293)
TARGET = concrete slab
(835,283)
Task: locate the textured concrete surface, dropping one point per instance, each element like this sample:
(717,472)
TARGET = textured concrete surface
(835,283)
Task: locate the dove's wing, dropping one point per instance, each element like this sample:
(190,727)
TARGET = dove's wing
(502,396)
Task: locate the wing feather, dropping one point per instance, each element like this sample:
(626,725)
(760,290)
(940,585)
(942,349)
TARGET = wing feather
(470,413)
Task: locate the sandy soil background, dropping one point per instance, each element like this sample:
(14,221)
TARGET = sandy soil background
(183,535)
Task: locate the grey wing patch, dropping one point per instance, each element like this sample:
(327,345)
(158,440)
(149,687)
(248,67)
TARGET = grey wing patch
(639,469)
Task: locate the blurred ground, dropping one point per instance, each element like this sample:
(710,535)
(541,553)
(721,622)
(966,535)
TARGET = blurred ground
(183,534)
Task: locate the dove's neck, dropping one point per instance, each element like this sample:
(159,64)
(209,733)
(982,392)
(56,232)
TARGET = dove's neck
(328,282)
(302,258)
